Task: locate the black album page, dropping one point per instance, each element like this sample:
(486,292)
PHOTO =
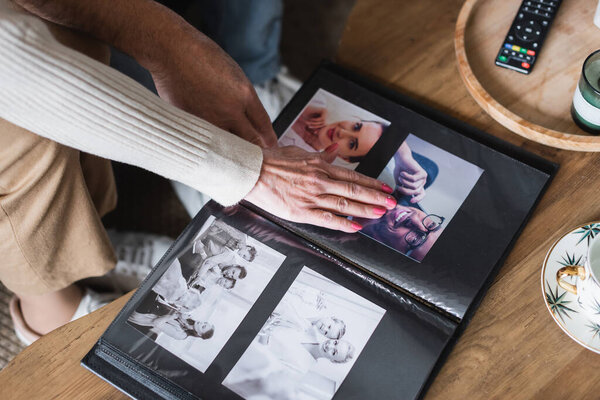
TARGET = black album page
(241,308)
(462,195)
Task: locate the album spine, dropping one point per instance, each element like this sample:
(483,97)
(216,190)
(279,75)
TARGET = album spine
(129,376)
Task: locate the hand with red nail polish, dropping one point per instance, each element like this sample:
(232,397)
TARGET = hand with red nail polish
(304,187)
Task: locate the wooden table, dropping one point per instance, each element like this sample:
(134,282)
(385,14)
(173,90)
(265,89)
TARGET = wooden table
(512,348)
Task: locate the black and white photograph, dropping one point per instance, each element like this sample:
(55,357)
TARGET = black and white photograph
(308,344)
(197,304)
(430,185)
(328,120)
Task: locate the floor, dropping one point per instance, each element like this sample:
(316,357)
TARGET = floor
(311,32)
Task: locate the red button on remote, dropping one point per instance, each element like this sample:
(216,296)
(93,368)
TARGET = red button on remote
(530,53)
(525,65)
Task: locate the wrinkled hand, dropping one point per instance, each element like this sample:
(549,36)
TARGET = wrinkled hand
(200,78)
(303,187)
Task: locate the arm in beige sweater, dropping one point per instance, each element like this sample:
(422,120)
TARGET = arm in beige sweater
(65,96)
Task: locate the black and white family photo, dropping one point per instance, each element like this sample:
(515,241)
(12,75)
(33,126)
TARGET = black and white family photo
(197,304)
(327,120)
(430,185)
(308,344)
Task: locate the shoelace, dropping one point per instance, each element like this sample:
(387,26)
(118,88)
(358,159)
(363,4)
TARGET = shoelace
(139,253)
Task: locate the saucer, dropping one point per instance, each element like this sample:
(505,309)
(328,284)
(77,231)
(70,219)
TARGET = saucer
(570,249)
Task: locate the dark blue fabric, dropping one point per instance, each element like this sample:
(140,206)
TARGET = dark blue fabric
(248,30)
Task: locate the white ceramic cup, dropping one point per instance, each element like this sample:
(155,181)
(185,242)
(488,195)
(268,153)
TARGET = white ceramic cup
(587,288)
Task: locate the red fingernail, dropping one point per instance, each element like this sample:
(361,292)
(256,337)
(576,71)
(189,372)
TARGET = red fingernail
(331,148)
(391,201)
(379,210)
(356,226)
(387,189)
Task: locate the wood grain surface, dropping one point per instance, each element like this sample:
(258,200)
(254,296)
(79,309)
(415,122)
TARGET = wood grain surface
(511,348)
(536,106)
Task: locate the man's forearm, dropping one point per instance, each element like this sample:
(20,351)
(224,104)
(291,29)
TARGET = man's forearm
(143,29)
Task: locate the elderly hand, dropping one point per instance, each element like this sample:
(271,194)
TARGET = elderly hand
(200,78)
(303,187)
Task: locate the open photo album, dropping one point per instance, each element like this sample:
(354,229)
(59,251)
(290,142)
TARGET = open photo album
(245,305)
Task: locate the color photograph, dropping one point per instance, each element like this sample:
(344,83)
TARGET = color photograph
(430,185)
(204,295)
(308,344)
(328,119)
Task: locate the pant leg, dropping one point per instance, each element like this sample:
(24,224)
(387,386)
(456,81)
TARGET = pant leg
(248,30)
(50,229)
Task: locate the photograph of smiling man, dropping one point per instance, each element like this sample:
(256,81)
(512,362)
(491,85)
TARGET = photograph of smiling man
(328,119)
(430,185)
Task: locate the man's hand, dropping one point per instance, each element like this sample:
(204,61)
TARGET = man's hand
(409,175)
(189,69)
(200,78)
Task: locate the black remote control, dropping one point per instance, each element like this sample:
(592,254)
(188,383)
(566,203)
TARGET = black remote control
(524,39)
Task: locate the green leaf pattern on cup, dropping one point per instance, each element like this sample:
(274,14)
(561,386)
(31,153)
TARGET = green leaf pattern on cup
(595,329)
(558,303)
(568,259)
(588,232)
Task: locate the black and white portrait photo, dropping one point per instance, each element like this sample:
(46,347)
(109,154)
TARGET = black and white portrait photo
(195,307)
(308,344)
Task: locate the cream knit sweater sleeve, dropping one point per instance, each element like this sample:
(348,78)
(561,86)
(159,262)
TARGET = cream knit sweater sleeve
(67,97)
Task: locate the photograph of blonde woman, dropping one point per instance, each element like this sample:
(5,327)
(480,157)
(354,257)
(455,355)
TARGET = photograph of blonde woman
(329,123)
(309,343)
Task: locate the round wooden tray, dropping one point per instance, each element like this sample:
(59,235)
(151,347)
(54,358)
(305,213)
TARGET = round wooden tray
(536,106)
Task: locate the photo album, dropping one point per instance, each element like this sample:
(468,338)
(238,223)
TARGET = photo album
(245,305)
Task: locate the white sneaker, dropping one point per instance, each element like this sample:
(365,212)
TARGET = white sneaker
(275,94)
(91,301)
(137,254)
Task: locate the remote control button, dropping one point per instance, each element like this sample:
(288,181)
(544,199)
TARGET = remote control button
(522,50)
(528,29)
(525,65)
(545,23)
(528,58)
(525,38)
(530,53)
(510,37)
(508,45)
(505,51)
(516,48)
(520,16)
(512,53)
(502,58)
(535,45)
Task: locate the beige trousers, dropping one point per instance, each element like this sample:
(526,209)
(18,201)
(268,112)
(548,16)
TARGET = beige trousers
(51,201)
